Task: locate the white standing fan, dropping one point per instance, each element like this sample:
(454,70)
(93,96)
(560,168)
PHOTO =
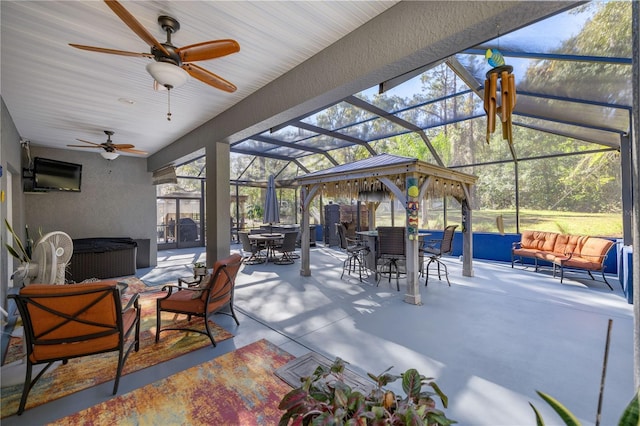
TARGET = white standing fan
(52,253)
(50,257)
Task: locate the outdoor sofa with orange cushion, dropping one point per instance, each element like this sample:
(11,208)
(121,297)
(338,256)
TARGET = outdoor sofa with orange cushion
(563,251)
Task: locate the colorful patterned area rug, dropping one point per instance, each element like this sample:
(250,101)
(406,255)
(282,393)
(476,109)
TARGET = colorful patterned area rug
(85,372)
(238,388)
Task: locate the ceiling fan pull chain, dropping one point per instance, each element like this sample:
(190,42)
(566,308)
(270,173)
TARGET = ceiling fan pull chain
(168,103)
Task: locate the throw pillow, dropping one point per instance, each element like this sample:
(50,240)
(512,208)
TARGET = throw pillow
(203,284)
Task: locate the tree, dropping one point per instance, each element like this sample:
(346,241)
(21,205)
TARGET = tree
(608,33)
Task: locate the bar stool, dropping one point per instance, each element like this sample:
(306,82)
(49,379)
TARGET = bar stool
(391,249)
(355,253)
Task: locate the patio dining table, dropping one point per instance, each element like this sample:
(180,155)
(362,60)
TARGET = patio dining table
(270,242)
(370,238)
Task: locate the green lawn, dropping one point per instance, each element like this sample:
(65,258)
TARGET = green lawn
(594,224)
(597,224)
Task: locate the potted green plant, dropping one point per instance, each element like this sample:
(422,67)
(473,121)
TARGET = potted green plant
(199,269)
(325,398)
(22,252)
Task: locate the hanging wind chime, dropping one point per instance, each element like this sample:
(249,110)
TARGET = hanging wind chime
(507,96)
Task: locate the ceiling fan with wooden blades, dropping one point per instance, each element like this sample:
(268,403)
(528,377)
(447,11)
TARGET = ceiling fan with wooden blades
(111,150)
(172,64)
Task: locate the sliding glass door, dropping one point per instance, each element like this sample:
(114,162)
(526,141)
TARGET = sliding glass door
(180,222)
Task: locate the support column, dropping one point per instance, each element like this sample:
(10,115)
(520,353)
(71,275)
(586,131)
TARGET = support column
(467,239)
(412,209)
(413,283)
(516,178)
(635,187)
(627,188)
(217,202)
(371,213)
(305,264)
(305,244)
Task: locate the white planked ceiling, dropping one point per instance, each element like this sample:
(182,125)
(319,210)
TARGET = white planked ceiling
(57,94)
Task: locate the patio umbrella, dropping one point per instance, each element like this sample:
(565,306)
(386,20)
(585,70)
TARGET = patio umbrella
(271,206)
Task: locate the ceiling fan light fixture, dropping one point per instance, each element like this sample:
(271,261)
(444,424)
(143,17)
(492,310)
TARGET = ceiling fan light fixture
(167,74)
(109,155)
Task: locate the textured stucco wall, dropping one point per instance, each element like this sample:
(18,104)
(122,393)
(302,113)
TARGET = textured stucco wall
(117,199)
(14,199)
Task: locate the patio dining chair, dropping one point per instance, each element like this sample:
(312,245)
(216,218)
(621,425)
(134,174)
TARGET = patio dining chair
(252,251)
(62,322)
(434,249)
(213,295)
(287,249)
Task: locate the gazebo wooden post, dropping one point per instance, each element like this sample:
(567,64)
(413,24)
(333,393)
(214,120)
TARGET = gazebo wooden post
(413,283)
(305,268)
(411,240)
(371,211)
(411,247)
(305,243)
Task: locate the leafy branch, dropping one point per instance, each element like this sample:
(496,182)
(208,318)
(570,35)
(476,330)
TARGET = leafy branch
(630,416)
(22,253)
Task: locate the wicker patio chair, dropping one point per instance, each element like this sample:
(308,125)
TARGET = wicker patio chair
(287,248)
(252,251)
(391,250)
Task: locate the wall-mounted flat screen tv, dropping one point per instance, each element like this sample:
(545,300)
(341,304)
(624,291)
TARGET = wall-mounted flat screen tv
(56,175)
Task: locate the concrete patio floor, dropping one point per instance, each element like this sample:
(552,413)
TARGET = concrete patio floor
(490,341)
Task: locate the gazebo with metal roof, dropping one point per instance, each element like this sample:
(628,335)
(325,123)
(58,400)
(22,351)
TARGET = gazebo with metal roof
(410,181)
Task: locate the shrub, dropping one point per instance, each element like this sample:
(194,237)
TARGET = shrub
(325,399)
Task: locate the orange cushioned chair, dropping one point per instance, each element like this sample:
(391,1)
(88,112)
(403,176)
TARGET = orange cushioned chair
(211,296)
(62,322)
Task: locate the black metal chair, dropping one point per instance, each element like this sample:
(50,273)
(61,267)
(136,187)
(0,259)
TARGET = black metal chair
(391,251)
(62,322)
(434,249)
(355,253)
(252,252)
(287,248)
(214,295)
